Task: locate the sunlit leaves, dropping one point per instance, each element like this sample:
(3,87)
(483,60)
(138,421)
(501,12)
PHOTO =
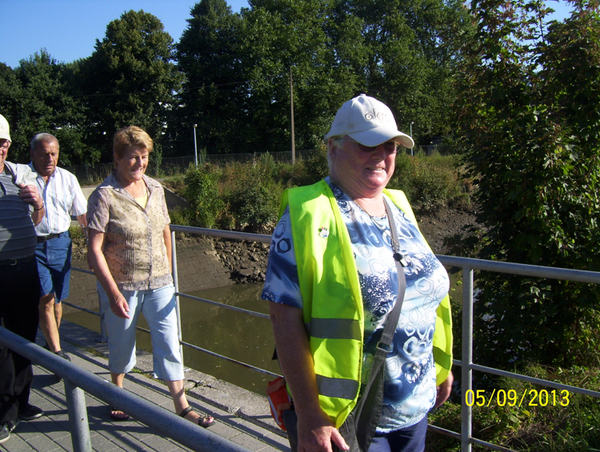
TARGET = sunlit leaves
(531,123)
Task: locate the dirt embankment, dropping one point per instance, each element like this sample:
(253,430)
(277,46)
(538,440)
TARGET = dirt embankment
(202,263)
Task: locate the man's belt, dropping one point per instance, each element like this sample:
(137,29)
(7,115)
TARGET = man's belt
(16,261)
(45,238)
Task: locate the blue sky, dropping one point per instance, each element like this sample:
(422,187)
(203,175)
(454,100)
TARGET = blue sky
(68,29)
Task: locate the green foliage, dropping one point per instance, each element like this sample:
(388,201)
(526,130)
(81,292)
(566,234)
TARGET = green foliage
(202,192)
(240,68)
(181,217)
(34,98)
(531,131)
(315,167)
(234,74)
(214,91)
(246,196)
(130,79)
(253,195)
(429,183)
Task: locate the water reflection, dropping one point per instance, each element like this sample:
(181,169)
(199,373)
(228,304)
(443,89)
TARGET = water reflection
(239,336)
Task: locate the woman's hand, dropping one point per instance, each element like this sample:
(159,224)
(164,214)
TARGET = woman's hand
(97,262)
(443,390)
(119,306)
(316,434)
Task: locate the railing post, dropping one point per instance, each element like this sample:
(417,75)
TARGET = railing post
(176,285)
(78,420)
(467,359)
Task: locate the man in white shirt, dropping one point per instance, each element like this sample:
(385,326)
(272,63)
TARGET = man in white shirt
(63,197)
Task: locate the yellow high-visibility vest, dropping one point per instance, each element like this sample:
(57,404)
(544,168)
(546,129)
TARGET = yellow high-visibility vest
(332,301)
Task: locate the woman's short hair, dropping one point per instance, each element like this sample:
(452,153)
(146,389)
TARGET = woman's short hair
(131,136)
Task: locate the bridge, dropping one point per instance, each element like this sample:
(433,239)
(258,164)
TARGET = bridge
(259,432)
(242,417)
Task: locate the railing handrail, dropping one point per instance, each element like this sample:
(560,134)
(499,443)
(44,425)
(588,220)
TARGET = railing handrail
(159,419)
(468,265)
(540,271)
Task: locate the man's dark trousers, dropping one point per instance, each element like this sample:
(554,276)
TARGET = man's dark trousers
(19,298)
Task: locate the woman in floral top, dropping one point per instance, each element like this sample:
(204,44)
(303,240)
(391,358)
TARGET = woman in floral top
(130,252)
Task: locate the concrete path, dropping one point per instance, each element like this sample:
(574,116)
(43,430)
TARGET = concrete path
(241,416)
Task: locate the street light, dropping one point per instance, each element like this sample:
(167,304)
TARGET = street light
(195,147)
(412,147)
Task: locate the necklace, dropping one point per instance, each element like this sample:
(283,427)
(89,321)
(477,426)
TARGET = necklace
(395,246)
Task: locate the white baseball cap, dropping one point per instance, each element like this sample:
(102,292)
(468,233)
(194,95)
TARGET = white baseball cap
(367,121)
(4,129)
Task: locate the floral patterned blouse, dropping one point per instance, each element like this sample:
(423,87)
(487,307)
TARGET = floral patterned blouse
(134,245)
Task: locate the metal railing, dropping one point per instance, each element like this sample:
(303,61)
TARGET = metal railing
(468,266)
(78,380)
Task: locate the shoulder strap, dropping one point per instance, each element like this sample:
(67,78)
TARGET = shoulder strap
(392,319)
(368,410)
(383,347)
(10,171)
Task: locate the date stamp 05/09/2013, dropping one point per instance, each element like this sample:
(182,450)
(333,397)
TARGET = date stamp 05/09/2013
(523,398)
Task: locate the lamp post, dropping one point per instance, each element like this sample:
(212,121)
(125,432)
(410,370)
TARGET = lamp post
(195,147)
(412,147)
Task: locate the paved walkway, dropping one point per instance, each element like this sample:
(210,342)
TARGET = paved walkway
(242,417)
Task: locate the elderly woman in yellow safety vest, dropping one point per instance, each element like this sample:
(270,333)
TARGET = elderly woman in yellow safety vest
(332,280)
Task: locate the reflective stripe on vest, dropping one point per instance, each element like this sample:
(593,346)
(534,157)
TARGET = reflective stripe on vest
(337,387)
(334,329)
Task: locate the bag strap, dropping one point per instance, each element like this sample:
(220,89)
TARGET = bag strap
(383,347)
(392,319)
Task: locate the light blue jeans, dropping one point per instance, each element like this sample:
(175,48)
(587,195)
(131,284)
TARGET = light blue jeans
(159,309)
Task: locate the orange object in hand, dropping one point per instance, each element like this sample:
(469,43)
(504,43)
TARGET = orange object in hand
(279,400)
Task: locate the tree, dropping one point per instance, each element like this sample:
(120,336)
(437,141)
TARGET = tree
(412,49)
(10,93)
(130,79)
(528,115)
(401,53)
(295,38)
(215,90)
(37,101)
(239,67)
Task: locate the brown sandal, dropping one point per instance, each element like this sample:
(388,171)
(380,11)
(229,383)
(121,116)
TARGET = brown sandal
(205,421)
(118,415)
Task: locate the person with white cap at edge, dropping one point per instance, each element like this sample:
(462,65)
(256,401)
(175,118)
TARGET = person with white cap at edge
(333,278)
(21,208)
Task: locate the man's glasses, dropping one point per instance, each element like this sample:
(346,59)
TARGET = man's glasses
(389,146)
(4,145)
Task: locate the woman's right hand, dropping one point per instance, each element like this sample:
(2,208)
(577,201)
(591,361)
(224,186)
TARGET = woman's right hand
(316,434)
(97,262)
(119,306)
